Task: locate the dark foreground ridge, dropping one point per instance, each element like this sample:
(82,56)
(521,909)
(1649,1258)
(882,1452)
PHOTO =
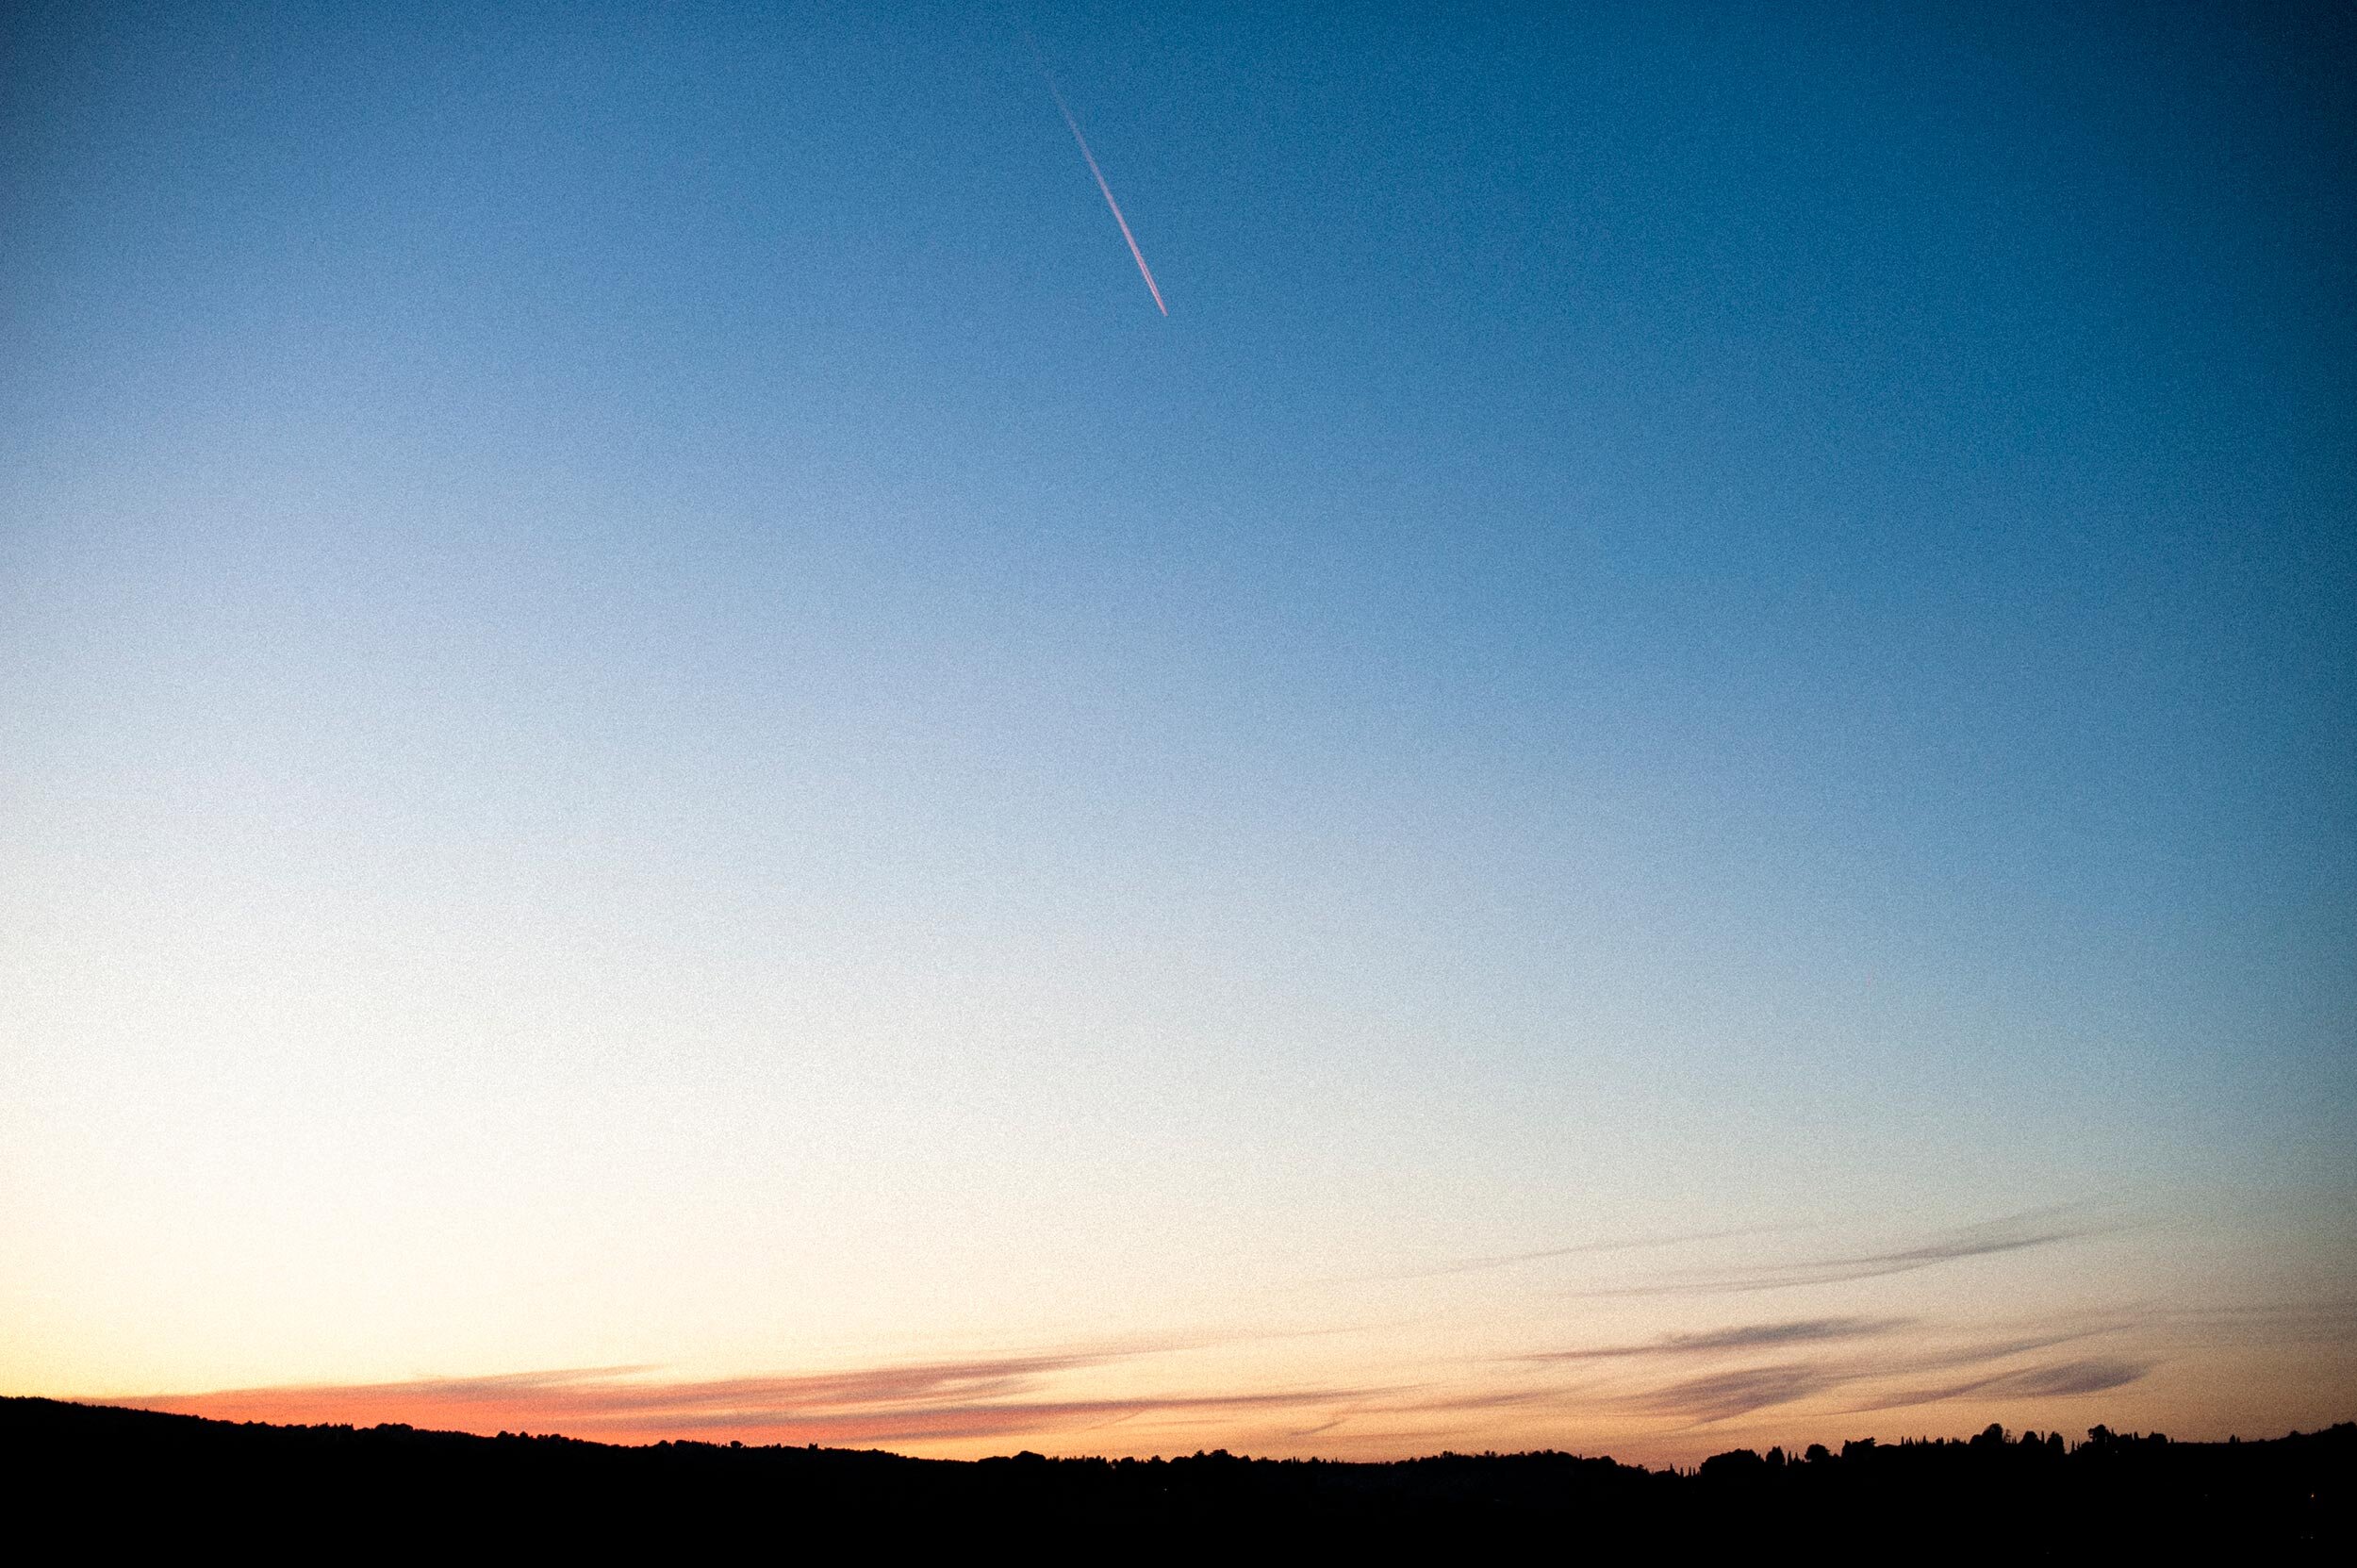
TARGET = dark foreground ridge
(125,1474)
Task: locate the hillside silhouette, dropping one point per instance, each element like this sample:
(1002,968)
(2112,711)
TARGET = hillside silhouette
(131,1474)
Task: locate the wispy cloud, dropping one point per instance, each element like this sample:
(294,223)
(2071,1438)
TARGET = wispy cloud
(1576,1249)
(1721,1394)
(1048,1396)
(1753,1336)
(2091,1375)
(2014,1233)
(2329,1321)
(1484,1398)
(1998,1350)
(1011,1396)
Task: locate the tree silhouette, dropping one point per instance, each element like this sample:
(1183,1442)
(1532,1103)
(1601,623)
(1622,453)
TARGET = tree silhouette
(433,1490)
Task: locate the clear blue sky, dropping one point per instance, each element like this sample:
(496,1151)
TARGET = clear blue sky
(1699,617)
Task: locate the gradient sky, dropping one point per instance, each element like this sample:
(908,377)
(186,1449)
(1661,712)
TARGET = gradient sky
(1675,767)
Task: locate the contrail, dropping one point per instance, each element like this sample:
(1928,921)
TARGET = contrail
(1144,271)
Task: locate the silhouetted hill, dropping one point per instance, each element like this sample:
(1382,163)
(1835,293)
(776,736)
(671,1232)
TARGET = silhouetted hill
(126,1477)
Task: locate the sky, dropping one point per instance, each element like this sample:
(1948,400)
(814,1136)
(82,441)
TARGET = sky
(1675,767)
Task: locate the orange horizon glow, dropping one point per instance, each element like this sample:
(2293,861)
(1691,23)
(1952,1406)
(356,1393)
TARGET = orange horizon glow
(1927,1333)
(1068,1429)
(1077,1402)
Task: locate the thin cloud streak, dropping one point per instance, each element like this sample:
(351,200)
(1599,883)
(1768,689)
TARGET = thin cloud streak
(1721,1394)
(1980,1354)
(2014,1233)
(2094,1374)
(935,1423)
(2276,1323)
(1632,1243)
(987,1397)
(1751,1337)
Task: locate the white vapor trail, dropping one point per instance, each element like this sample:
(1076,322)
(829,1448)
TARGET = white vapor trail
(1144,271)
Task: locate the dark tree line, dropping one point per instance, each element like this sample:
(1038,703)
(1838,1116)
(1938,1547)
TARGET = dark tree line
(130,1479)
